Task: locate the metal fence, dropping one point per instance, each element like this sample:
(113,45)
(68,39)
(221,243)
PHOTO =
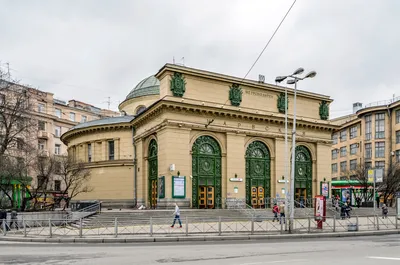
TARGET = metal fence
(116,227)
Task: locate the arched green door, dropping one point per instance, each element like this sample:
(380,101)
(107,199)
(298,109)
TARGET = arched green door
(303,177)
(206,172)
(153,173)
(258,174)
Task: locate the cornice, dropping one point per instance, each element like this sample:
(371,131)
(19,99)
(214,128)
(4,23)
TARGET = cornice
(66,137)
(170,68)
(109,163)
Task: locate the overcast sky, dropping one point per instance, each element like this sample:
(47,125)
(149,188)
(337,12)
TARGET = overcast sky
(91,50)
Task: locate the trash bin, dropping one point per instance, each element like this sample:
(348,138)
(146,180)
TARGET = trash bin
(352,227)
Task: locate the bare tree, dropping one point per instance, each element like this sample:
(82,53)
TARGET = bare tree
(16,124)
(391,182)
(75,177)
(360,174)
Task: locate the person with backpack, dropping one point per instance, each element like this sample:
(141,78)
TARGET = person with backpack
(384,211)
(275,211)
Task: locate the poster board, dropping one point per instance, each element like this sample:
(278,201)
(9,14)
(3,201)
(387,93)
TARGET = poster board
(178,187)
(320,208)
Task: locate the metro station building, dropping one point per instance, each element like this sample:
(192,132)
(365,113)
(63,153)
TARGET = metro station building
(204,140)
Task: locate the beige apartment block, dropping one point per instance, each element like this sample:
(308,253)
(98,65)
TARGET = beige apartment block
(55,117)
(369,137)
(203,140)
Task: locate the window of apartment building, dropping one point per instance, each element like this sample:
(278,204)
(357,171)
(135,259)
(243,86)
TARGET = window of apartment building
(41,125)
(368,151)
(58,113)
(334,168)
(343,151)
(334,154)
(110,150)
(343,166)
(343,136)
(398,116)
(41,107)
(57,131)
(380,164)
(398,156)
(72,116)
(379,125)
(335,138)
(57,185)
(20,143)
(353,132)
(2,98)
(368,165)
(41,145)
(57,149)
(57,167)
(84,118)
(380,149)
(353,149)
(368,127)
(89,148)
(397,137)
(353,164)
(41,183)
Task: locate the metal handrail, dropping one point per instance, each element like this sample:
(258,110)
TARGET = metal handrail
(89,210)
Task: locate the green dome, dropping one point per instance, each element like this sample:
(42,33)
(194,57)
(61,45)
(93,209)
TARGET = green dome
(146,87)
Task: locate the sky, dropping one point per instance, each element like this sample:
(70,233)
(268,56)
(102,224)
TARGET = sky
(94,49)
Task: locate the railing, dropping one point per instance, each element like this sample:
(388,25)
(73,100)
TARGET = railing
(382,102)
(84,212)
(115,227)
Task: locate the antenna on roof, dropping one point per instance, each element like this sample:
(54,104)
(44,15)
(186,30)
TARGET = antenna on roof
(173,59)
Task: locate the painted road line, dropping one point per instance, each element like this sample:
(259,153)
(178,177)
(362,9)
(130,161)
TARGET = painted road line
(274,262)
(384,258)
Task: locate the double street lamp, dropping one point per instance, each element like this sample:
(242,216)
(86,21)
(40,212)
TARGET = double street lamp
(293,80)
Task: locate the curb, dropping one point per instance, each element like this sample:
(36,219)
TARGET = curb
(199,238)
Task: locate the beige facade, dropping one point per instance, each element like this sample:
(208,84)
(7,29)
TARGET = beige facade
(55,117)
(218,147)
(370,137)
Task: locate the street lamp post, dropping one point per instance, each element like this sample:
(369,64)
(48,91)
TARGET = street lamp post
(294,81)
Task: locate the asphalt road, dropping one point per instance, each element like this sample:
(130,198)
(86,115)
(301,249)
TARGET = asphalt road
(384,250)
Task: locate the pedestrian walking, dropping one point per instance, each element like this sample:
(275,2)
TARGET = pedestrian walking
(282,213)
(177,214)
(384,211)
(3,217)
(348,209)
(275,211)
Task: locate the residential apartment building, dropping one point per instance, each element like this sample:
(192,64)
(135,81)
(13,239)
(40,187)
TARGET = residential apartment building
(370,136)
(55,117)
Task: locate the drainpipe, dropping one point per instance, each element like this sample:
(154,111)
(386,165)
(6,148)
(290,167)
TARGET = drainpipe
(390,136)
(134,168)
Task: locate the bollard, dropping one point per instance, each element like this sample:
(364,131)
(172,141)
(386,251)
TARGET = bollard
(24,225)
(397,220)
(284,221)
(187,225)
(334,223)
(377,223)
(219,226)
(50,232)
(151,226)
(4,227)
(252,225)
(357,224)
(80,228)
(309,224)
(116,227)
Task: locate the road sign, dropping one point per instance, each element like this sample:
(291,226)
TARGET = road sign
(379,175)
(370,175)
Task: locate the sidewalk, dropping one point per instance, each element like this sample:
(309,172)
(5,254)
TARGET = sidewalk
(201,238)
